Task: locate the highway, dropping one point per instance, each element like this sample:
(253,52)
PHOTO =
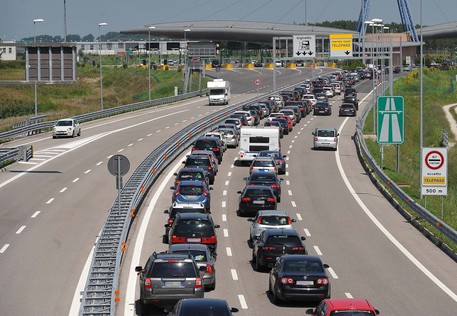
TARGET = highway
(52,212)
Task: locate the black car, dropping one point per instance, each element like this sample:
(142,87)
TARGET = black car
(352,99)
(203,307)
(299,277)
(350,91)
(204,162)
(193,228)
(283,122)
(266,178)
(273,243)
(256,197)
(322,108)
(347,109)
(278,157)
(194,173)
(183,207)
(210,143)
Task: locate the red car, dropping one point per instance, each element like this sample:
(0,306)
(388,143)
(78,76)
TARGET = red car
(289,121)
(337,306)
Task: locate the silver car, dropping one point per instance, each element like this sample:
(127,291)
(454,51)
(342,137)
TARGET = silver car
(230,136)
(269,219)
(325,138)
(203,257)
(263,164)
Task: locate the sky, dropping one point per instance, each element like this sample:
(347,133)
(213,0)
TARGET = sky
(83,16)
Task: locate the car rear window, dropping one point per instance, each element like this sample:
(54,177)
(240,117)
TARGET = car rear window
(193,228)
(191,190)
(191,175)
(274,220)
(323,133)
(263,163)
(172,270)
(205,143)
(198,162)
(259,192)
(283,240)
(303,267)
(199,255)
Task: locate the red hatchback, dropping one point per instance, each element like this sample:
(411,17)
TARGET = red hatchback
(345,307)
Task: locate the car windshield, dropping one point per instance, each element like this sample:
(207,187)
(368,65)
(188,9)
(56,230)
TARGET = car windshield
(325,133)
(190,190)
(64,123)
(199,255)
(303,267)
(172,270)
(351,313)
(274,220)
(284,240)
(193,228)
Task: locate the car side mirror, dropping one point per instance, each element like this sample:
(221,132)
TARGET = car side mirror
(165,212)
(303,238)
(309,311)
(167,225)
(217,226)
(337,134)
(293,220)
(313,133)
(138,269)
(256,238)
(183,162)
(239,192)
(210,188)
(175,174)
(326,266)
(172,188)
(250,220)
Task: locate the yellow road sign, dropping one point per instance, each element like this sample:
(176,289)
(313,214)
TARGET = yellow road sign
(340,45)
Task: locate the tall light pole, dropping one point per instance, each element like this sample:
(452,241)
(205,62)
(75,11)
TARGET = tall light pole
(34,28)
(65,21)
(35,86)
(100,55)
(421,141)
(149,63)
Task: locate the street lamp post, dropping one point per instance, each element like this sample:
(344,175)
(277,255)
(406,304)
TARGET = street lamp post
(100,55)
(35,85)
(149,63)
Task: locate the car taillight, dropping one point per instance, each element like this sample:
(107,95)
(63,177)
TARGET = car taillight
(298,248)
(278,162)
(147,283)
(268,248)
(250,183)
(252,168)
(194,148)
(271,200)
(210,168)
(286,280)
(334,139)
(275,186)
(259,220)
(315,139)
(209,268)
(216,149)
(205,193)
(289,221)
(170,220)
(233,136)
(198,283)
(322,281)
(209,240)
(275,169)
(177,240)
(246,199)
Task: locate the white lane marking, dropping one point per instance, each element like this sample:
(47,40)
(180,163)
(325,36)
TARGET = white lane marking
(317,250)
(167,127)
(99,163)
(87,171)
(224,204)
(289,192)
(75,180)
(227,182)
(299,217)
(287,158)
(4,248)
(140,139)
(224,192)
(287,165)
(176,124)
(63,190)
(242,301)
(293,141)
(108,157)
(234,274)
(232,166)
(130,145)
(192,117)
(299,132)
(291,146)
(287,173)
(149,135)
(332,273)
(28,163)
(184,121)
(226,234)
(296,136)
(158,131)
(348,295)
(137,248)
(120,150)
(50,201)
(307,233)
(20,230)
(37,159)
(224,217)
(293,203)
(288,152)
(35,214)
(381,227)
(41,156)
(287,182)
(229,174)
(229,251)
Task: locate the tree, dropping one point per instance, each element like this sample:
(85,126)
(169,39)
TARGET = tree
(88,38)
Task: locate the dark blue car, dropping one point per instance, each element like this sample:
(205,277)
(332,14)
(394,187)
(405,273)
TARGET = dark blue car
(192,191)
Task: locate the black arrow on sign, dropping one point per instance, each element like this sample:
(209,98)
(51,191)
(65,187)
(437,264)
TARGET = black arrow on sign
(310,53)
(298,53)
(347,52)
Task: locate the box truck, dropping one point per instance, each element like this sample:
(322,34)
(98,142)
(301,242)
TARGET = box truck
(218,91)
(254,139)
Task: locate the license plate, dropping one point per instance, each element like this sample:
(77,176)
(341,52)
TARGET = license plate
(305,282)
(173,284)
(258,202)
(321,111)
(194,239)
(263,170)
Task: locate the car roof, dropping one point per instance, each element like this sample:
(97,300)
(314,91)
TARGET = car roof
(188,247)
(349,303)
(191,169)
(193,216)
(281,231)
(298,257)
(192,183)
(325,129)
(272,213)
(257,158)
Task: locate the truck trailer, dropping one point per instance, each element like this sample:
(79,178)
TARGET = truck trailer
(218,91)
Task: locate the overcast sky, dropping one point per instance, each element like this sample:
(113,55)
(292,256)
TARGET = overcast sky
(83,16)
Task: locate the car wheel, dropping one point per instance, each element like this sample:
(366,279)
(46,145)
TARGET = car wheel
(275,299)
(79,133)
(212,287)
(278,199)
(73,134)
(257,266)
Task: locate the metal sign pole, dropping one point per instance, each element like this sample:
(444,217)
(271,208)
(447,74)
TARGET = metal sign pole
(119,184)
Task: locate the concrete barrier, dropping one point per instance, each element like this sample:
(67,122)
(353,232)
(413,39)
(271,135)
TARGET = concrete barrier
(291,65)
(248,66)
(269,65)
(227,66)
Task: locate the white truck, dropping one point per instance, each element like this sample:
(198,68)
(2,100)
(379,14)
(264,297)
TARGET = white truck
(218,91)
(256,138)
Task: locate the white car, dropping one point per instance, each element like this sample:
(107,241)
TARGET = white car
(325,138)
(311,98)
(67,128)
(248,115)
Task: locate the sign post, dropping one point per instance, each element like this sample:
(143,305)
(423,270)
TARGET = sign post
(258,83)
(118,165)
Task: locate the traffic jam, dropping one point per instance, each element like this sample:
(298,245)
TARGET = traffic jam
(176,280)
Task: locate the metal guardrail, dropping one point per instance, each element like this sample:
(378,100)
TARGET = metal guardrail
(16,154)
(100,294)
(386,182)
(40,126)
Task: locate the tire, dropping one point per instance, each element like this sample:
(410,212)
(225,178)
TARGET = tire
(211,287)
(275,299)
(257,266)
(79,133)
(73,134)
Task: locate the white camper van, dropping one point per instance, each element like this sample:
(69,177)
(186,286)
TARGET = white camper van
(254,139)
(218,91)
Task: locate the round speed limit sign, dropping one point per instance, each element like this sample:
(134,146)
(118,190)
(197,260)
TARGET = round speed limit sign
(258,82)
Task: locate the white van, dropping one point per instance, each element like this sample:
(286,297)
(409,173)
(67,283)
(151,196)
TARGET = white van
(254,139)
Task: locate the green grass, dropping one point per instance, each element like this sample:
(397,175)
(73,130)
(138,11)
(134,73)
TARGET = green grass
(437,93)
(120,86)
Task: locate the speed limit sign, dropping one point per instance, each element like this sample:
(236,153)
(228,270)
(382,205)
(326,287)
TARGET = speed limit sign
(258,82)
